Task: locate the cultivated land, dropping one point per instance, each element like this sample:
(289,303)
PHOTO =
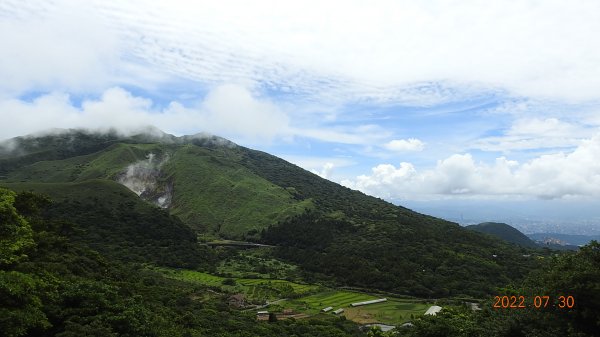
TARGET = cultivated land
(308,299)
(258,290)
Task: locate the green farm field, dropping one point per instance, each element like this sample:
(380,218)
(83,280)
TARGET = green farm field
(393,311)
(258,290)
(313,304)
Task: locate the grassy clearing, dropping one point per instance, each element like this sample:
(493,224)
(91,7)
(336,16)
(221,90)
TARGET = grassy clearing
(257,290)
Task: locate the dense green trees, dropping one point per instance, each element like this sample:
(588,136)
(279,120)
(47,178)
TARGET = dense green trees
(20,307)
(15,232)
(392,256)
(55,284)
(570,274)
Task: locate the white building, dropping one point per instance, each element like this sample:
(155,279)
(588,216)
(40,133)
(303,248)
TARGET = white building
(433,310)
(368,302)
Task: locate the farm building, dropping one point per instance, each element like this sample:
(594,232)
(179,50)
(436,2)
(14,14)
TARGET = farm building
(327,309)
(237,300)
(358,304)
(433,310)
(262,315)
(383,327)
(339,311)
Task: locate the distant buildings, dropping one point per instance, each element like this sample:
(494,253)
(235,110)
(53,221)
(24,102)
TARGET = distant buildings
(338,311)
(327,309)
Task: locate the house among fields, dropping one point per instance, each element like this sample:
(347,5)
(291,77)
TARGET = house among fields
(433,310)
(262,315)
(358,304)
(237,300)
(339,311)
(327,309)
(474,306)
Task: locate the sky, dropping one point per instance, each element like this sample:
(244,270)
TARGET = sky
(410,101)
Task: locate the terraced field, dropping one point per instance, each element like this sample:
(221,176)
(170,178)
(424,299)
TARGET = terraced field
(313,304)
(394,311)
(258,290)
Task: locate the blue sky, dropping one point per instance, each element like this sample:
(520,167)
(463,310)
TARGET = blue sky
(405,100)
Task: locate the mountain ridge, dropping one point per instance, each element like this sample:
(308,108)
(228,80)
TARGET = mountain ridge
(218,188)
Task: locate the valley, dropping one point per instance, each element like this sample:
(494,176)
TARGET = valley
(197,224)
(265,292)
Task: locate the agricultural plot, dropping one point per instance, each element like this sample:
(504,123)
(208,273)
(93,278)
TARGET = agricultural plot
(313,304)
(258,290)
(393,311)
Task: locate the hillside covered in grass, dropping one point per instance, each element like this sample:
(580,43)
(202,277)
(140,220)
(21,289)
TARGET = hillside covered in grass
(210,186)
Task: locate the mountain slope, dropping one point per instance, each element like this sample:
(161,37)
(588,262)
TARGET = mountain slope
(197,176)
(332,232)
(504,232)
(109,218)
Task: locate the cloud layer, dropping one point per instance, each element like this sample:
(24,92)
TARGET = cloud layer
(559,175)
(403,51)
(401,145)
(228,110)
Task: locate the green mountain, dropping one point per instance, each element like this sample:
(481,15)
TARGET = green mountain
(110,248)
(218,188)
(83,265)
(199,178)
(504,232)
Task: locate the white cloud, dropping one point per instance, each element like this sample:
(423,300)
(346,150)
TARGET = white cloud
(325,171)
(313,163)
(535,133)
(401,145)
(351,50)
(232,109)
(228,110)
(536,127)
(357,135)
(559,175)
(49,49)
